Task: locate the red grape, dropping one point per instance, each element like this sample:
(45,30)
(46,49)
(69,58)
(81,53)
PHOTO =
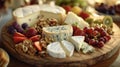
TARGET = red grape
(100,44)
(92,41)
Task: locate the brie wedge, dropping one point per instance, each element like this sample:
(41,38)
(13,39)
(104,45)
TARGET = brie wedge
(73,19)
(61,49)
(68,47)
(55,50)
(77,41)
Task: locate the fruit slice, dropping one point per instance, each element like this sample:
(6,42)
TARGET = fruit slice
(19,39)
(17,34)
(108,21)
(37,46)
(24,26)
(84,15)
(31,32)
(67,8)
(35,38)
(76,9)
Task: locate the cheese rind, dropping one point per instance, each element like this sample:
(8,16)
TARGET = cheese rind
(55,50)
(73,19)
(67,47)
(58,33)
(77,41)
(30,14)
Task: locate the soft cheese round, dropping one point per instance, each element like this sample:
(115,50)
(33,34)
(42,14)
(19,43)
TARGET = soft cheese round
(24,11)
(55,50)
(31,14)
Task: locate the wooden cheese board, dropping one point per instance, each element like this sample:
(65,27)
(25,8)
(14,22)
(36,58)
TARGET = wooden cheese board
(77,60)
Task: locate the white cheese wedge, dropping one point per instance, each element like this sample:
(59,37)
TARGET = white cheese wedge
(55,50)
(68,47)
(58,33)
(30,14)
(73,19)
(61,49)
(86,48)
(77,41)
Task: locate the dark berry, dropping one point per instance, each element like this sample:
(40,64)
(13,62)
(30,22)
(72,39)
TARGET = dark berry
(24,26)
(100,44)
(11,30)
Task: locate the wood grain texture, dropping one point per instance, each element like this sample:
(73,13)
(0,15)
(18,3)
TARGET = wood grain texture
(77,60)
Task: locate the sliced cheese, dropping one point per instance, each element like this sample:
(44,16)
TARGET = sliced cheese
(68,47)
(58,33)
(73,19)
(61,49)
(55,50)
(77,41)
(30,14)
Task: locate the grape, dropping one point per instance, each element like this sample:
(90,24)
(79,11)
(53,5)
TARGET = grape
(11,30)
(108,36)
(102,39)
(92,41)
(103,33)
(15,25)
(87,39)
(89,31)
(24,26)
(100,44)
(95,33)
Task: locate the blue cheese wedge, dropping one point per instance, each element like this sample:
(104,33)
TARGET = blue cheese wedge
(77,41)
(86,48)
(73,19)
(68,48)
(55,50)
(58,33)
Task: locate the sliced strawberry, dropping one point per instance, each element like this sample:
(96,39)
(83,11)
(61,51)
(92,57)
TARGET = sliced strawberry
(19,39)
(35,38)
(67,8)
(17,34)
(79,32)
(31,32)
(37,46)
(84,15)
(75,28)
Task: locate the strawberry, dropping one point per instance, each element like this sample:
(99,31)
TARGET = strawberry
(79,32)
(17,34)
(74,28)
(19,39)
(37,46)
(31,32)
(84,15)
(35,38)
(67,8)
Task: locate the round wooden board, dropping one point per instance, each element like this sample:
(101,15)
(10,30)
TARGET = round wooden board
(77,60)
